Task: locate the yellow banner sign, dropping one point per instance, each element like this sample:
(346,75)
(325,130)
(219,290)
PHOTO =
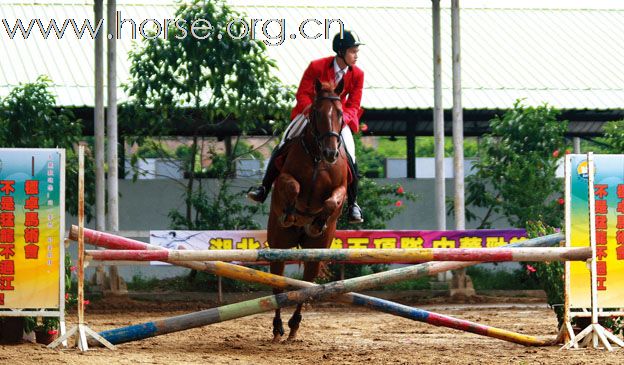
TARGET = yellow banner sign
(31,226)
(609,198)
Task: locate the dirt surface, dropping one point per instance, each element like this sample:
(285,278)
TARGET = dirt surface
(330,334)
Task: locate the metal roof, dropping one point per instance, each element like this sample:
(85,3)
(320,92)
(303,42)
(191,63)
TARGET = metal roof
(570,58)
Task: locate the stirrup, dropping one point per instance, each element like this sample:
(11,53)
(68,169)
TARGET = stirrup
(257,194)
(355,214)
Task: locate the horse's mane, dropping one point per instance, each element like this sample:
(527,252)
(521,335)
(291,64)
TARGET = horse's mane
(328,86)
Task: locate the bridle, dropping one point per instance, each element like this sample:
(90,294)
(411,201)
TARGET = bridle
(316,134)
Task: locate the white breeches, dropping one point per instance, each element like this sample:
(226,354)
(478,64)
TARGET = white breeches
(297,125)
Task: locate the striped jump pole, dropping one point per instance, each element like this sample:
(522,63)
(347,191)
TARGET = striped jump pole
(272,302)
(412,255)
(242,273)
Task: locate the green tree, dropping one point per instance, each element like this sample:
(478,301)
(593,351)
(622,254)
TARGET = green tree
(370,161)
(379,203)
(29,119)
(204,84)
(613,139)
(515,172)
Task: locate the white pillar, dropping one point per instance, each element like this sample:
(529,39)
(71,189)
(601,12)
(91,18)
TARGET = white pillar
(98,119)
(458,120)
(438,121)
(576,142)
(113,191)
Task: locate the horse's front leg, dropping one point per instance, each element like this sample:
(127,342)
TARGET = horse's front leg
(331,207)
(277,268)
(310,272)
(289,189)
(335,201)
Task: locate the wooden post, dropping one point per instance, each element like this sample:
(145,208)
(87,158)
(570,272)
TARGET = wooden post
(83,339)
(82,330)
(220,289)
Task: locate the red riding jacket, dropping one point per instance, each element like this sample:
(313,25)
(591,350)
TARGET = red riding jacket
(323,69)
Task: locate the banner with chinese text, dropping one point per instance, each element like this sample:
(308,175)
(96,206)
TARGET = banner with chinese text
(609,198)
(242,240)
(31,227)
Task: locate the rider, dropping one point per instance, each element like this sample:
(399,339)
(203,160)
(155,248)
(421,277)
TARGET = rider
(334,68)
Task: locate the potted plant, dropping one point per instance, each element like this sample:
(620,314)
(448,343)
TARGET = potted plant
(46,328)
(47,331)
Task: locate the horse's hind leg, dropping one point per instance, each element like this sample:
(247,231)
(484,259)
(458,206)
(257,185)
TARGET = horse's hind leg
(310,272)
(277,268)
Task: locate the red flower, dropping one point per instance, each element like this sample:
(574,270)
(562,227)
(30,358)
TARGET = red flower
(73,268)
(555,153)
(531,269)
(66,296)
(86,302)
(561,201)
(400,190)
(398,203)
(568,152)
(52,332)
(363,127)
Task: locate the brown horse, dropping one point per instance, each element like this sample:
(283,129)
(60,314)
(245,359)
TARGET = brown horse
(310,191)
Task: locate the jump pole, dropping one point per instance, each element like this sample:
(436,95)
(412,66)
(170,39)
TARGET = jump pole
(272,302)
(243,273)
(237,272)
(414,255)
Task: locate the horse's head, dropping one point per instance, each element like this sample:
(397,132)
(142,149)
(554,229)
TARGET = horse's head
(326,120)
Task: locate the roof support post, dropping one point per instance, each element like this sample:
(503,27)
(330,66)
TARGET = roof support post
(458,121)
(113,191)
(461,283)
(410,138)
(576,142)
(98,119)
(438,121)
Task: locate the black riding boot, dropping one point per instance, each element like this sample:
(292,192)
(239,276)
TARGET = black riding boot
(354,210)
(260,193)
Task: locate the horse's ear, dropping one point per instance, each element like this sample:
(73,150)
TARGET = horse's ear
(317,86)
(339,87)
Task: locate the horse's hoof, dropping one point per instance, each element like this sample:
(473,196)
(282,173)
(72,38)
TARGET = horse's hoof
(311,231)
(277,338)
(292,336)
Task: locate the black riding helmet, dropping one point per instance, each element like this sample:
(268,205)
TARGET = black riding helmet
(341,44)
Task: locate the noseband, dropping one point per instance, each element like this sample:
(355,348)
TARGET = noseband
(320,138)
